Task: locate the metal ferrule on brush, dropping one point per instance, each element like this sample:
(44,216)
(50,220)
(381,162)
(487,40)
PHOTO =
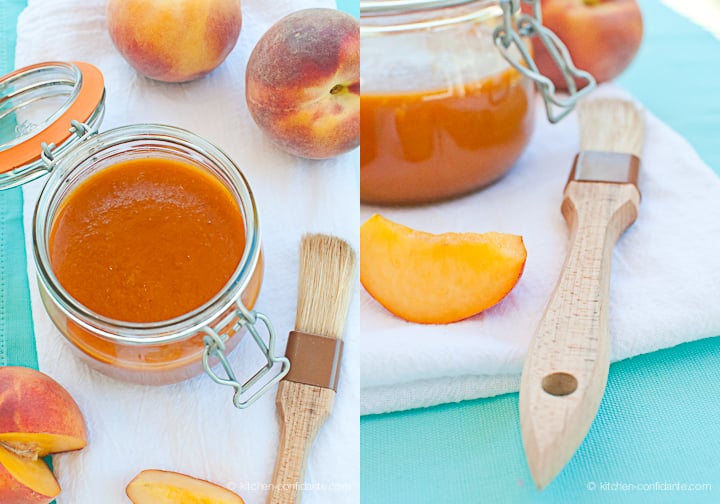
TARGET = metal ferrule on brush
(315,359)
(601,166)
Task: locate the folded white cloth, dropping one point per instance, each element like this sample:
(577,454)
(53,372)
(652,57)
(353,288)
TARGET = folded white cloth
(665,282)
(192,427)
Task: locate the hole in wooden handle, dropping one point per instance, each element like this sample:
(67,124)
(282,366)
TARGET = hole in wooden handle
(559,384)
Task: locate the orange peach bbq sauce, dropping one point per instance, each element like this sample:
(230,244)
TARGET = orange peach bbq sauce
(423,146)
(146,240)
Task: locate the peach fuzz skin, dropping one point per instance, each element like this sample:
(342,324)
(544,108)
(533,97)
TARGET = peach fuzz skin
(303,83)
(174,40)
(603,36)
(34,406)
(37,417)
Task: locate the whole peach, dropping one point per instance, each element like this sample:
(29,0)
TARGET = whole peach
(602,36)
(174,41)
(302,83)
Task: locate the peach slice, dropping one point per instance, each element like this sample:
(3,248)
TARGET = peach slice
(154,486)
(25,481)
(437,279)
(37,417)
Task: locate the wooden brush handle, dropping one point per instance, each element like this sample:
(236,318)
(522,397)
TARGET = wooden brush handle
(302,409)
(568,359)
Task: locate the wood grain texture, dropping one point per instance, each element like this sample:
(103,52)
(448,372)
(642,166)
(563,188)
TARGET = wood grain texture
(572,337)
(302,410)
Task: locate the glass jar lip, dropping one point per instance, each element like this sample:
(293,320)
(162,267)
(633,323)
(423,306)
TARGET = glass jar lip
(379,17)
(370,7)
(165,331)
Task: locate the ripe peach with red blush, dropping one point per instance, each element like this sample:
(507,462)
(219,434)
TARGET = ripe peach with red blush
(302,83)
(174,41)
(602,36)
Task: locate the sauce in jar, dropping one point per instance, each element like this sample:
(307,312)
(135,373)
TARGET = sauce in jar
(146,240)
(428,145)
(442,111)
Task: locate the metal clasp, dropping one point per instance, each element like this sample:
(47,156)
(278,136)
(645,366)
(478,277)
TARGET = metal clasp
(81,130)
(215,347)
(506,36)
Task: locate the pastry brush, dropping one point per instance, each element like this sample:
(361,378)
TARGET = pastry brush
(566,368)
(305,396)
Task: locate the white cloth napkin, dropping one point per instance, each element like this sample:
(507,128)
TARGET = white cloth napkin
(192,427)
(665,283)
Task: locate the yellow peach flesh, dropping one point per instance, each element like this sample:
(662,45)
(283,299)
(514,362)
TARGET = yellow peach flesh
(436,279)
(165,487)
(30,477)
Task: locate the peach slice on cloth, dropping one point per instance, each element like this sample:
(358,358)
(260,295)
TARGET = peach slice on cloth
(37,417)
(154,486)
(437,279)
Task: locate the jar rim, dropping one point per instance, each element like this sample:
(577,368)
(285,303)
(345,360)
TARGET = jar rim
(164,331)
(379,17)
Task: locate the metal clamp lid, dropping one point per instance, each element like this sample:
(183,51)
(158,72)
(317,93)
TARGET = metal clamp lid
(248,392)
(506,36)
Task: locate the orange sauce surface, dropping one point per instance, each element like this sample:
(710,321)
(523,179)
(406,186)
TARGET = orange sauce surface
(423,146)
(146,240)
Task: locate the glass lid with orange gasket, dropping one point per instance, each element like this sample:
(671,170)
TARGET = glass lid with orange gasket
(51,104)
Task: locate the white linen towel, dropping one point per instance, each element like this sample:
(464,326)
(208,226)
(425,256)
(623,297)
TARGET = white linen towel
(665,285)
(192,427)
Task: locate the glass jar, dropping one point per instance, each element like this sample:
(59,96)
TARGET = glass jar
(160,352)
(444,109)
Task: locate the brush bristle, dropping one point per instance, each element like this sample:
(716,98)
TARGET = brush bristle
(326,270)
(611,125)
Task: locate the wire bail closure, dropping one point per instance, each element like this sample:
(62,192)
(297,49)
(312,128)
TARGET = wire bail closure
(49,153)
(506,36)
(215,347)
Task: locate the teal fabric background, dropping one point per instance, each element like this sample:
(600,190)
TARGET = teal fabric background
(17,343)
(349,6)
(659,421)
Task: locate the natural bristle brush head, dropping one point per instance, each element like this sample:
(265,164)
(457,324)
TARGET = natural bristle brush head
(611,125)
(327,266)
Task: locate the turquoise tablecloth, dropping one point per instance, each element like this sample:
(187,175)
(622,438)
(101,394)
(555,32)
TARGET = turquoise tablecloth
(659,422)
(16,341)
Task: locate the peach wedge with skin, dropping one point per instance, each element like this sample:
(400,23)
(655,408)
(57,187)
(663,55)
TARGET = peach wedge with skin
(37,415)
(437,279)
(154,486)
(25,481)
